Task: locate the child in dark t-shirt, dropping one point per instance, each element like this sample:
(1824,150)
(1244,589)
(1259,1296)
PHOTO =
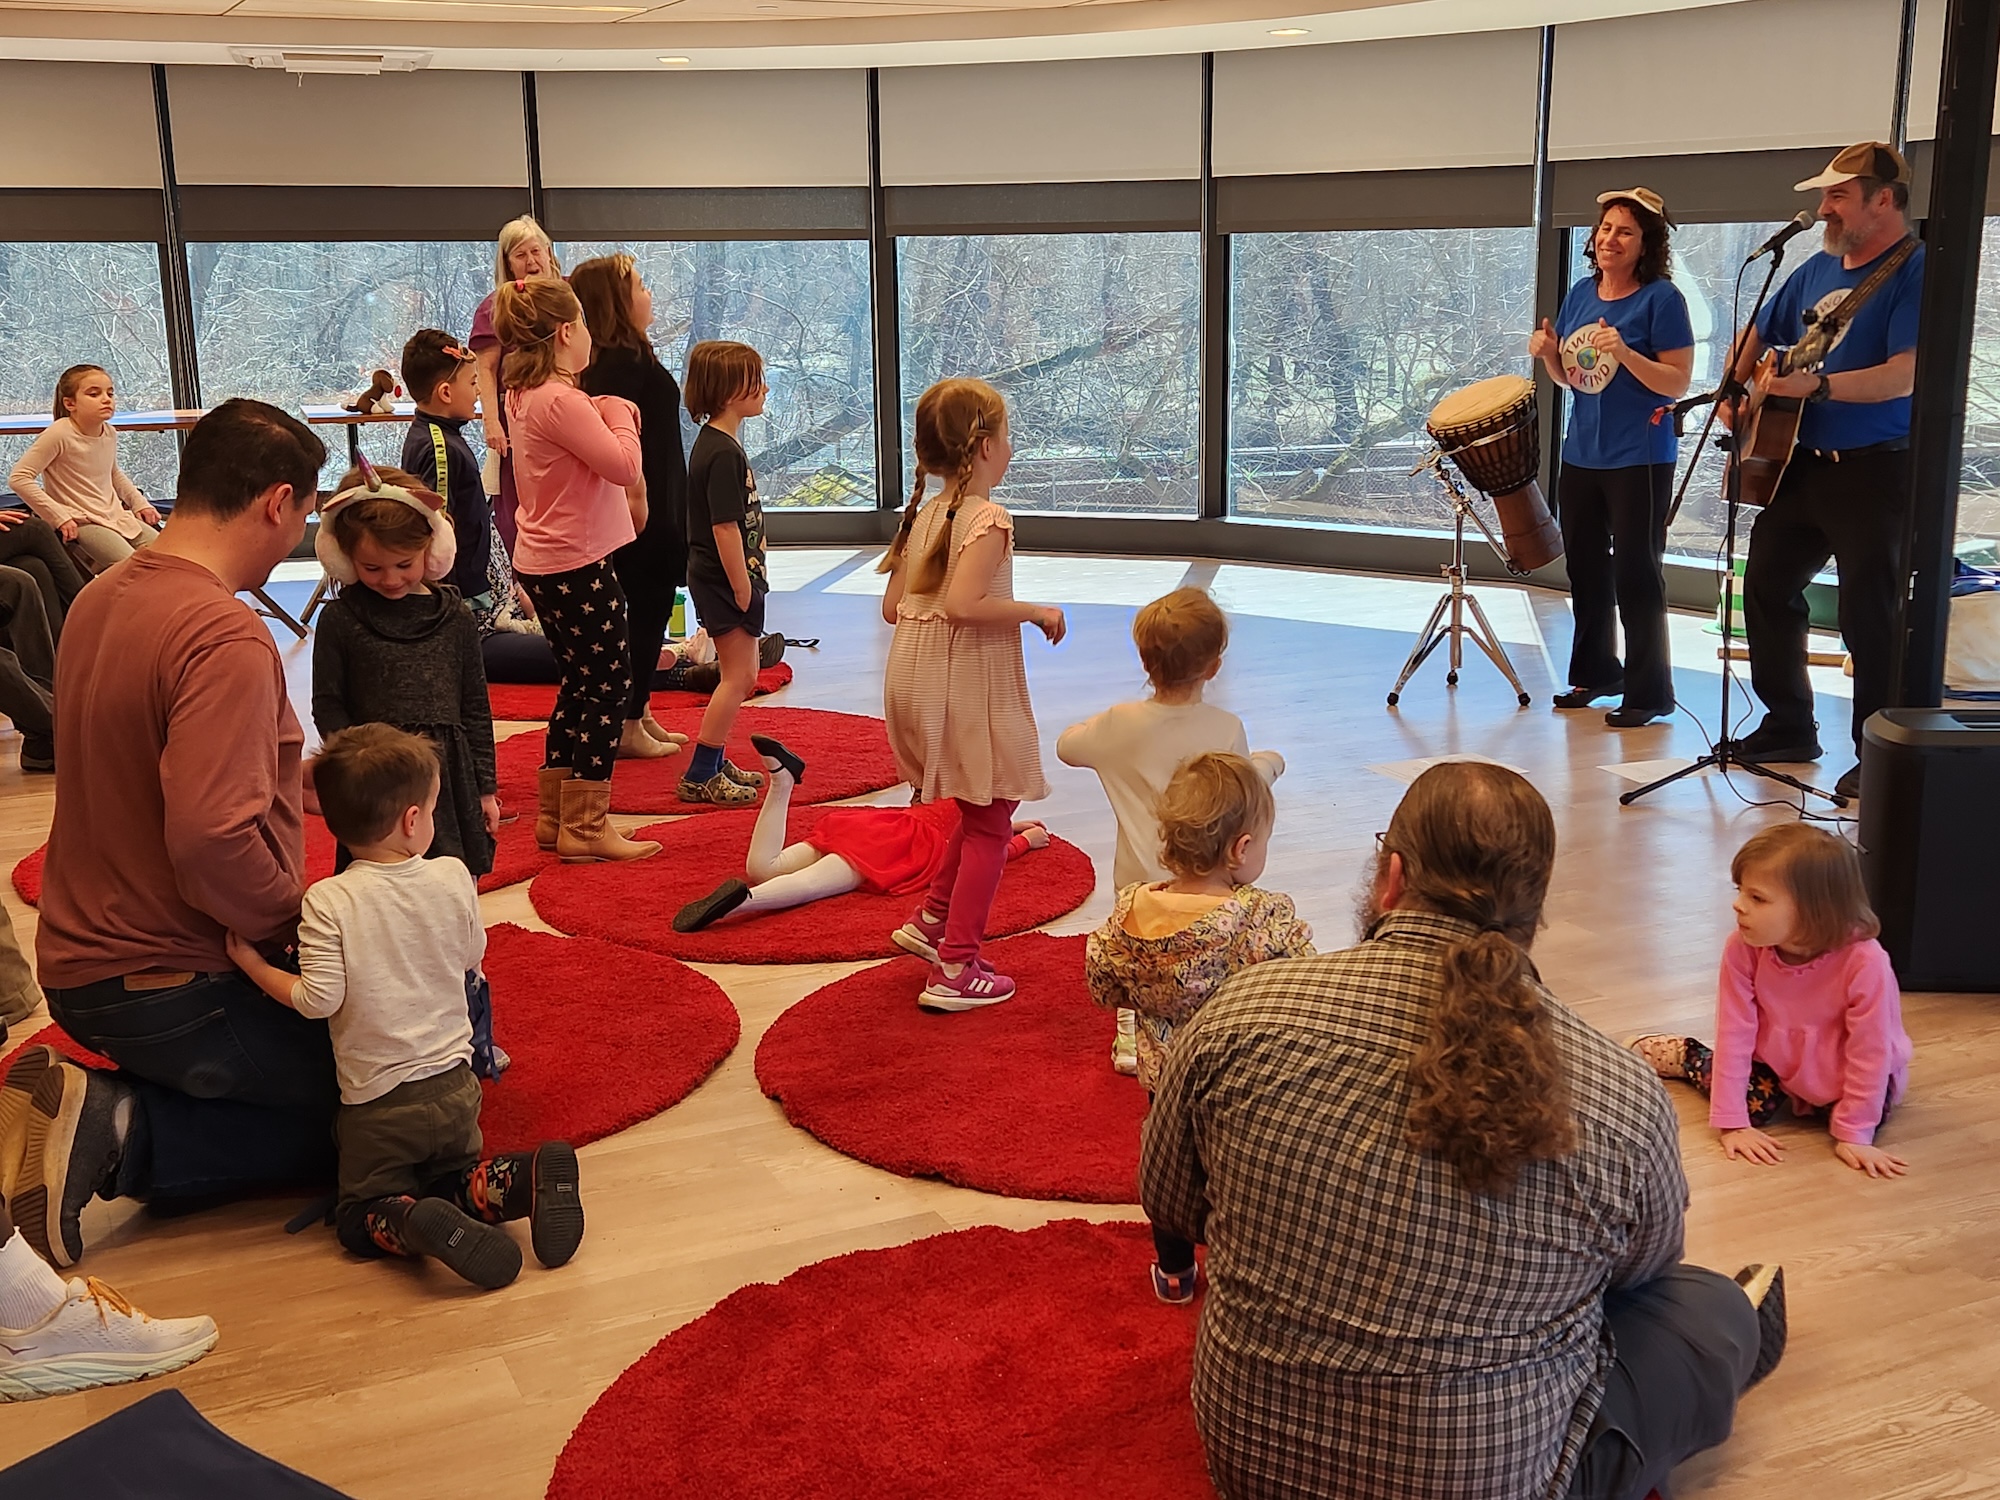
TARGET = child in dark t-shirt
(726,575)
(438,374)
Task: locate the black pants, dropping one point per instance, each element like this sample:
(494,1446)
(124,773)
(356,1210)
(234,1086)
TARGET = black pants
(27,656)
(1614,527)
(583,615)
(1851,511)
(33,547)
(651,570)
(1686,1343)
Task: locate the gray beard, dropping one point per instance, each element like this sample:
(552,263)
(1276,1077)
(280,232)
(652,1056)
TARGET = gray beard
(1367,910)
(1841,242)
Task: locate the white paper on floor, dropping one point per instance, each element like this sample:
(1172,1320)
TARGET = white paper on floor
(1640,771)
(1407,771)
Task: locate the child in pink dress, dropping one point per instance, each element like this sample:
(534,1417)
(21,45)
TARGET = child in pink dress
(956,691)
(1808,1009)
(1168,945)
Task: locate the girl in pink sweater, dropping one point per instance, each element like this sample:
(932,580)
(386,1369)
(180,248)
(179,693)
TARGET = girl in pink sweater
(578,478)
(1808,1011)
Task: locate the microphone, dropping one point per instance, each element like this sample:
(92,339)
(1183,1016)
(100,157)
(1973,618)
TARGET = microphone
(1801,222)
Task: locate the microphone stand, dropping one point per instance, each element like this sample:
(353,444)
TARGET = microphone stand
(1722,754)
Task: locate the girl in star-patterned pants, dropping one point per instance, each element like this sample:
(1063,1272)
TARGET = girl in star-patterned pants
(583,615)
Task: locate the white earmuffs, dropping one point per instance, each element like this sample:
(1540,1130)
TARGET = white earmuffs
(444,543)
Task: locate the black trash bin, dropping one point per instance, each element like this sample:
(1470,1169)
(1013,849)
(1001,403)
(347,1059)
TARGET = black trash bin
(1930,842)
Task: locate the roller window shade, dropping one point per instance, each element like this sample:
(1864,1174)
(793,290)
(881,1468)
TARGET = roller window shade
(1449,198)
(1100,120)
(427,129)
(704,130)
(1445,101)
(1760,76)
(52,141)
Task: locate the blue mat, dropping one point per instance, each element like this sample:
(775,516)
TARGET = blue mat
(157,1449)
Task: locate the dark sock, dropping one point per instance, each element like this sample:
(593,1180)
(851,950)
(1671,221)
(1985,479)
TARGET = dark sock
(706,762)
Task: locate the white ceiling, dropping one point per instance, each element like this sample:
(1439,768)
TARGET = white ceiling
(554,35)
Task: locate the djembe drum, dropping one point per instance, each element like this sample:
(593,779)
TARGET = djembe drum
(1488,430)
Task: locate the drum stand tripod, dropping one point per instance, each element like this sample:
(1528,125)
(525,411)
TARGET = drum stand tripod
(1457,598)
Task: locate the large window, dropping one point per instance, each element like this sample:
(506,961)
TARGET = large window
(1979,495)
(803,305)
(298,322)
(64,304)
(1094,339)
(1342,341)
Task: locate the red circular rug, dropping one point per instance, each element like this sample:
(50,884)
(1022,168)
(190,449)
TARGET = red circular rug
(988,1362)
(1018,1098)
(515,857)
(537,700)
(848,755)
(635,903)
(601,1037)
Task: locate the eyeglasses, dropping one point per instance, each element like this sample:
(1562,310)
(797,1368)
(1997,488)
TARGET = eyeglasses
(1382,842)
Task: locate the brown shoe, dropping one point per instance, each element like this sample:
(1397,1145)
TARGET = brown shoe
(587,835)
(548,807)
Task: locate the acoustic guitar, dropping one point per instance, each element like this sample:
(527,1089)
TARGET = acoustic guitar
(1766,439)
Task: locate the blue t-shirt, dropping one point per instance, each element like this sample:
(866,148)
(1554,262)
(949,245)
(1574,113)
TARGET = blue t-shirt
(1886,326)
(1611,420)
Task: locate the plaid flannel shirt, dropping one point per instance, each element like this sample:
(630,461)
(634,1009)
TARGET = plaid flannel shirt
(1372,1330)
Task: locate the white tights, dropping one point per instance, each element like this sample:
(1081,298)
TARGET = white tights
(783,875)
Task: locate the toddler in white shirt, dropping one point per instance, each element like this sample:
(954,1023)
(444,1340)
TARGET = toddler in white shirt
(1136,747)
(384,947)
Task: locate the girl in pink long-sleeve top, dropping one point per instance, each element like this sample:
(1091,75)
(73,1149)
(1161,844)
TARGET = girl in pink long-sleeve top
(578,477)
(1808,1011)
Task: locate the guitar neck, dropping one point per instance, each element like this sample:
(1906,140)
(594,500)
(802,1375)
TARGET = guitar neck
(1815,345)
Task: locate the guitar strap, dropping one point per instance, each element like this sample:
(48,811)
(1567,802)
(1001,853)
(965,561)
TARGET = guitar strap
(1850,305)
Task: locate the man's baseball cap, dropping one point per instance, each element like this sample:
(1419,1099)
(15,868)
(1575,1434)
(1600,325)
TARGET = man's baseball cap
(1646,198)
(1867,159)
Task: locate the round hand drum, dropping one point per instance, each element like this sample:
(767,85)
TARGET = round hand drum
(1488,430)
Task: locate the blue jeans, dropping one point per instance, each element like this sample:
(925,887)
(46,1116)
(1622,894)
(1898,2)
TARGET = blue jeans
(234,1092)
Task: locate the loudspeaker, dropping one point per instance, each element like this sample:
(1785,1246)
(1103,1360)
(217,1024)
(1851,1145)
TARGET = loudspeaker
(1930,843)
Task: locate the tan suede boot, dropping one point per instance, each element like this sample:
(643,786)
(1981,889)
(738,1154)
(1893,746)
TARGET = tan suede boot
(548,807)
(587,834)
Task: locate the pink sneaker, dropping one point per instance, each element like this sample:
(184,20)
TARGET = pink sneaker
(920,935)
(974,985)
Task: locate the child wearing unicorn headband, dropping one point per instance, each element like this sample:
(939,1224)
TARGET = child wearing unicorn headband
(397,645)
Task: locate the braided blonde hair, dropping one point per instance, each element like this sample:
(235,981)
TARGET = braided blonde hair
(953,418)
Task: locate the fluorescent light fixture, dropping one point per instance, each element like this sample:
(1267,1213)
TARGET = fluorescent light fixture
(676,62)
(1291,31)
(361,63)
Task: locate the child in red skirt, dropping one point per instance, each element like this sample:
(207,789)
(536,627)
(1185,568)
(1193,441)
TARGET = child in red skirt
(881,851)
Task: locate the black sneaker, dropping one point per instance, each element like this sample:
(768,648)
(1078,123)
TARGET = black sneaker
(1849,785)
(38,753)
(770,650)
(713,907)
(1583,697)
(1765,1287)
(1782,746)
(556,1220)
(484,1254)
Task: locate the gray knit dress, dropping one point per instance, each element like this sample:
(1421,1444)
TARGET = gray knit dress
(414,663)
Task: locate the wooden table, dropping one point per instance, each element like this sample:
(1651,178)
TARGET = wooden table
(178,419)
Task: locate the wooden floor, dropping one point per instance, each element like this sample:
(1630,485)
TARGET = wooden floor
(391,1382)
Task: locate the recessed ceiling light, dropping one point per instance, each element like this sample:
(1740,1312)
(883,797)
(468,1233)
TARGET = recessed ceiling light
(1291,31)
(676,62)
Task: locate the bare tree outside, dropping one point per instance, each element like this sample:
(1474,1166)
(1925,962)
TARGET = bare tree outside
(1342,342)
(1094,339)
(298,323)
(803,305)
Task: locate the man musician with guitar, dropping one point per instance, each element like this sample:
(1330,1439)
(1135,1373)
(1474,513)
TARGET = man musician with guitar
(1842,490)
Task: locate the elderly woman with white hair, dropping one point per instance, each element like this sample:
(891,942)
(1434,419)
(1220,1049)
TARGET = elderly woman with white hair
(522,252)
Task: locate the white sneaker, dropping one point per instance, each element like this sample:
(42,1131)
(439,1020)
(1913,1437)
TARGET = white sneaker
(96,1338)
